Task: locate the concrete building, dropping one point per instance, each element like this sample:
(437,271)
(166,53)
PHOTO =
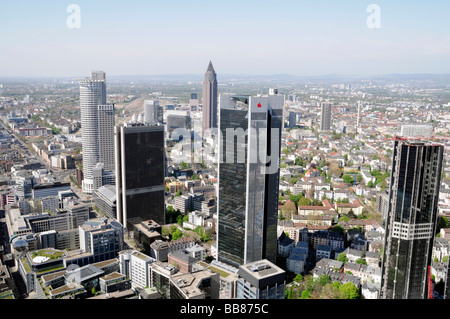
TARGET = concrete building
(261,280)
(134,265)
(325,116)
(102,237)
(96,120)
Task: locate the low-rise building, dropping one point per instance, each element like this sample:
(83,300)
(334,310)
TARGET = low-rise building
(261,280)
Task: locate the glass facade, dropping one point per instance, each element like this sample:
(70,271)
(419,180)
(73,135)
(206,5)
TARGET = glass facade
(140,168)
(411,222)
(232,192)
(249,182)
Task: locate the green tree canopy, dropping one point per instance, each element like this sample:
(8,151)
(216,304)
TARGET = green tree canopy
(342,258)
(350,290)
(304,202)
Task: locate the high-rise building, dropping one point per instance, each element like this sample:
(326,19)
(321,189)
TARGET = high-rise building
(248,174)
(325,116)
(153,112)
(359,113)
(97,123)
(411,219)
(209,99)
(292,119)
(106,122)
(140,170)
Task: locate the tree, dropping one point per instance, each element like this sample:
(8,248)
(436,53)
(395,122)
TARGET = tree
(442,223)
(288,209)
(361,261)
(296,198)
(306,294)
(299,161)
(324,279)
(176,234)
(338,229)
(304,202)
(350,291)
(342,258)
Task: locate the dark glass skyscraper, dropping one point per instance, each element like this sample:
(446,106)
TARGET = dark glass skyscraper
(140,169)
(411,220)
(249,154)
(209,99)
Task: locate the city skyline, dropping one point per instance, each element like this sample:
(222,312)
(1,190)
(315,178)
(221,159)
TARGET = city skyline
(315,164)
(309,39)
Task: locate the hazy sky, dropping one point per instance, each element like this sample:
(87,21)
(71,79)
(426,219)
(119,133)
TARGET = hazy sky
(298,37)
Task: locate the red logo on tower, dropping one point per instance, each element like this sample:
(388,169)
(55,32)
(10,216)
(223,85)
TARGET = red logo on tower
(259,104)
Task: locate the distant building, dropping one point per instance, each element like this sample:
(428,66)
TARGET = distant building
(209,102)
(412,130)
(325,116)
(153,113)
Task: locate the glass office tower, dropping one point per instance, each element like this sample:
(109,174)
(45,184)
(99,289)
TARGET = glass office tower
(140,169)
(248,177)
(411,220)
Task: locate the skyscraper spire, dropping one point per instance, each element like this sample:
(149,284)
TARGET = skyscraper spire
(209,99)
(210,67)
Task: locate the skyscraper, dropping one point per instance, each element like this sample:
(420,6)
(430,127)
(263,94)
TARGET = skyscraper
(248,174)
(325,116)
(140,170)
(357,116)
(209,99)
(411,220)
(97,123)
(153,113)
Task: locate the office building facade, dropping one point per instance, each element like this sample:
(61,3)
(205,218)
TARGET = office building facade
(140,169)
(411,219)
(153,112)
(325,116)
(97,122)
(248,175)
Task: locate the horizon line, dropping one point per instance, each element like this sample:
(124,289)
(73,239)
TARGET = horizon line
(225,74)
